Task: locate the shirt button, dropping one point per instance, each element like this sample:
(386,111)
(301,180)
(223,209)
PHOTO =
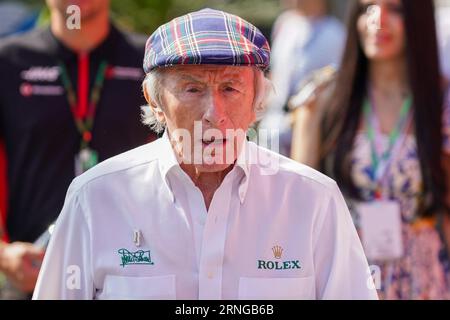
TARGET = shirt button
(210,275)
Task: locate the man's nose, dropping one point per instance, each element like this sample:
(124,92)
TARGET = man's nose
(215,115)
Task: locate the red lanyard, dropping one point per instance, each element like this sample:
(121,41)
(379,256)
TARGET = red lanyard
(83,111)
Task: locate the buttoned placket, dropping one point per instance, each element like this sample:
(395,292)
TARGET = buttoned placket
(213,242)
(210,227)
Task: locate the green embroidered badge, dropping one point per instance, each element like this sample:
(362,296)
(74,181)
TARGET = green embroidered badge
(137,257)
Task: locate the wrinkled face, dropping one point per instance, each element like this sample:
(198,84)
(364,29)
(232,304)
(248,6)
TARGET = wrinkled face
(214,106)
(381,29)
(88,8)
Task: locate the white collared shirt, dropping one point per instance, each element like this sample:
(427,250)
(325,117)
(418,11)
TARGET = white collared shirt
(136,227)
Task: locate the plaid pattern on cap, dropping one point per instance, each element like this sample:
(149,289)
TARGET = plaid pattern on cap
(207,37)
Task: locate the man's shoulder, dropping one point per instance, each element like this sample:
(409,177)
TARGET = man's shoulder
(120,164)
(130,48)
(29,41)
(277,166)
(132,39)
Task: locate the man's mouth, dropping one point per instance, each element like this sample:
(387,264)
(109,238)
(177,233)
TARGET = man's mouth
(213,140)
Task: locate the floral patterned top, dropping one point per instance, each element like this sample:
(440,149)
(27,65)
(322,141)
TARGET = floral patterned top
(424,270)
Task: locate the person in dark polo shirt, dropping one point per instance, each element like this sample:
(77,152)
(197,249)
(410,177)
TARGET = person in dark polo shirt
(69,98)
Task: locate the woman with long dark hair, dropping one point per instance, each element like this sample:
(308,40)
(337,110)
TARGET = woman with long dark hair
(379,134)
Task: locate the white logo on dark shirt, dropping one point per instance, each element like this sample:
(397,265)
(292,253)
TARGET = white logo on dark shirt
(26,89)
(48,74)
(124,73)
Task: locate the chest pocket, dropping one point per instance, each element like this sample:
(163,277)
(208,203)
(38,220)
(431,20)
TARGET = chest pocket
(277,288)
(139,288)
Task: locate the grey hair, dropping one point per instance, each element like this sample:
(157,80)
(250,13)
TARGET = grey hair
(152,85)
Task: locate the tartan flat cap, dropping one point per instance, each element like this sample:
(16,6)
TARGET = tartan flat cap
(207,37)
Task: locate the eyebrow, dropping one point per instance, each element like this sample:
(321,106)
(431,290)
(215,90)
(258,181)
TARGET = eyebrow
(188,77)
(238,81)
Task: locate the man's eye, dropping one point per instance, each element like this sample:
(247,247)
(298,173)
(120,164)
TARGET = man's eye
(193,90)
(230,89)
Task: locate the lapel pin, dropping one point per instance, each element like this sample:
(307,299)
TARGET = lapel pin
(137,237)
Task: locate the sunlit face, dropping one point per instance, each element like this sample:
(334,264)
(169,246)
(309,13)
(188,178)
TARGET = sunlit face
(381,29)
(88,8)
(209,102)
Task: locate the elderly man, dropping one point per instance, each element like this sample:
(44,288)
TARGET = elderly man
(196,214)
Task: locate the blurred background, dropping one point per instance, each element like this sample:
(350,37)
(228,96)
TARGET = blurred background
(146,15)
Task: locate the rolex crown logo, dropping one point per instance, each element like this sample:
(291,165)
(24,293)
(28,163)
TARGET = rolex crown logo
(277,252)
(278,265)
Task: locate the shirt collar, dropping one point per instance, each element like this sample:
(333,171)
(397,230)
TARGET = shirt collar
(243,162)
(168,161)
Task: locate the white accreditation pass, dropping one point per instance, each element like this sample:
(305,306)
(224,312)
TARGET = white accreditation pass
(381,229)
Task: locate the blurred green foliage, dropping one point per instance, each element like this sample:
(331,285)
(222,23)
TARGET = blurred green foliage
(144,16)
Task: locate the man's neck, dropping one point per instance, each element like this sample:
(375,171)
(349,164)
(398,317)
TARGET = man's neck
(92,32)
(207,182)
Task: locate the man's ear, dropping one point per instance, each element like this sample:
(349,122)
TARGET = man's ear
(154,106)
